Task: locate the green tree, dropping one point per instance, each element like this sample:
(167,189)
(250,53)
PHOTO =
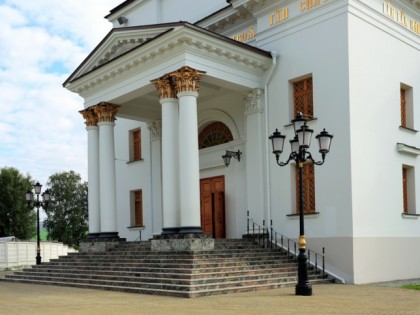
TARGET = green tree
(15,217)
(67,213)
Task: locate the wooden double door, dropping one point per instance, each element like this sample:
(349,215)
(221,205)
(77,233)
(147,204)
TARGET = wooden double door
(212,195)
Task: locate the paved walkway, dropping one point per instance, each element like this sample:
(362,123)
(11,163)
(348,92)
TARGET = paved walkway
(327,299)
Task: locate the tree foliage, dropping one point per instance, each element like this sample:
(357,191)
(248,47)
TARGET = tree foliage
(67,213)
(15,217)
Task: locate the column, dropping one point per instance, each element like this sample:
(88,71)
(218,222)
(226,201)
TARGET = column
(186,81)
(155,128)
(105,113)
(254,159)
(170,155)
(93,172)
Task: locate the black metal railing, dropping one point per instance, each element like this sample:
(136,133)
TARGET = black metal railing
(268,238)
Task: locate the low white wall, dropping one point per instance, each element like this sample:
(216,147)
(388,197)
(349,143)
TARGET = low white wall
(16,254)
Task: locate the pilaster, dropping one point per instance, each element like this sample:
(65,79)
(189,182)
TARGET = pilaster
(254,125)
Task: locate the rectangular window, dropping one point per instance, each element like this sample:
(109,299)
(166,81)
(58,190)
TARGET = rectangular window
(406,106)
(137,203)
(135,145)
(303,98)
(308,176)
(409,191)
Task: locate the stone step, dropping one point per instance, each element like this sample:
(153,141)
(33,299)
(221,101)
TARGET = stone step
(195,292)
(169,262)
(152,283)
(157,268)
(287,271)
(234,266)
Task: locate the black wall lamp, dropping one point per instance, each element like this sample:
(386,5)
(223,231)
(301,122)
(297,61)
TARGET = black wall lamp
(231,154)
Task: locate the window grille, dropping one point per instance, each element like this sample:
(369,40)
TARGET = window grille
(308,175)
(303,98)
(138,207)
(136,144)
(214,134)
(403,109)
(405,190)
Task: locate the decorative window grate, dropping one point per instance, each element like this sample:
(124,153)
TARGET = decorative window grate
(405,190)
(138,207)
(303,98)
(308,175)
(403,109)
(136,144)
(214,134)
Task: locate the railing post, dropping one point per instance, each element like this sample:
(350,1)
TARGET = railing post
(247,223)
(316,262)
(323,262)
(263,234)
(309,259)
(271,233)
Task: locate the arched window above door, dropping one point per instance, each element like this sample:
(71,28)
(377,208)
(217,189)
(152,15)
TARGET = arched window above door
(214,134)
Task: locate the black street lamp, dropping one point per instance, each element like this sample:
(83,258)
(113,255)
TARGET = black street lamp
(46,197)
(300,154)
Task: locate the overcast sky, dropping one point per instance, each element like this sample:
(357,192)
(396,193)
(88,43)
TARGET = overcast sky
(41,44)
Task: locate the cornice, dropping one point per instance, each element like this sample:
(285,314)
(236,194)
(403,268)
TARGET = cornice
(184,38)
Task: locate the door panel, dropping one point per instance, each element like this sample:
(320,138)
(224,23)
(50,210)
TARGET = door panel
(213,206)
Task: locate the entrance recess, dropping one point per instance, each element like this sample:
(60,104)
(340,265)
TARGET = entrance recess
(212,194)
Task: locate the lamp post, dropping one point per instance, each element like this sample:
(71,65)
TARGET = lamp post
(300,154)
(46,197)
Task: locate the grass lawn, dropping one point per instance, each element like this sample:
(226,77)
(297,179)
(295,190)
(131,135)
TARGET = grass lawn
(43,235)
(412,286)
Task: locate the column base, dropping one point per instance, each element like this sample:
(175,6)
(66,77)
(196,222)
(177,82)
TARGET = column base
(101,243)
(92,236)
(182,242)
(191,230)
(170,230)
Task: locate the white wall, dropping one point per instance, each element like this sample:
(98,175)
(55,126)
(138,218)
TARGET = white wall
(18,254)
(163,11)
(379,62)
(132,176)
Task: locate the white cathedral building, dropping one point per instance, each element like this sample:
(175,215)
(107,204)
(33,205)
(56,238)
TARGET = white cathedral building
(176,84)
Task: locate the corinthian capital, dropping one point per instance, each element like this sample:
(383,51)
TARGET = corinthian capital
(164,87)
(106,112)
(187,79)
(254,102)
(89,116)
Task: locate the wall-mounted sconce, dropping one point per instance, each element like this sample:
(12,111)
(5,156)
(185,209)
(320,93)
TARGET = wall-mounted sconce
(122,20)
(231,154)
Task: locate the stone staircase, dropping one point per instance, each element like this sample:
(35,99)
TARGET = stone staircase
(234,266)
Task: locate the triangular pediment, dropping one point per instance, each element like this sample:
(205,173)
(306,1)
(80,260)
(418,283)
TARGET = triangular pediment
(118,42)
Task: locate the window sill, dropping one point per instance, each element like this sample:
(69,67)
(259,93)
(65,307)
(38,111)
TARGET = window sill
(136,227)
(403,148)
(408,129)
(410,215)
(309,215)
(135,161)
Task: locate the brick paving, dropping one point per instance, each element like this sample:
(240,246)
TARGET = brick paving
(16,298)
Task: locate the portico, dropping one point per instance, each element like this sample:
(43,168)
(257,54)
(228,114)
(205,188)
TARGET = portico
(161,81)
